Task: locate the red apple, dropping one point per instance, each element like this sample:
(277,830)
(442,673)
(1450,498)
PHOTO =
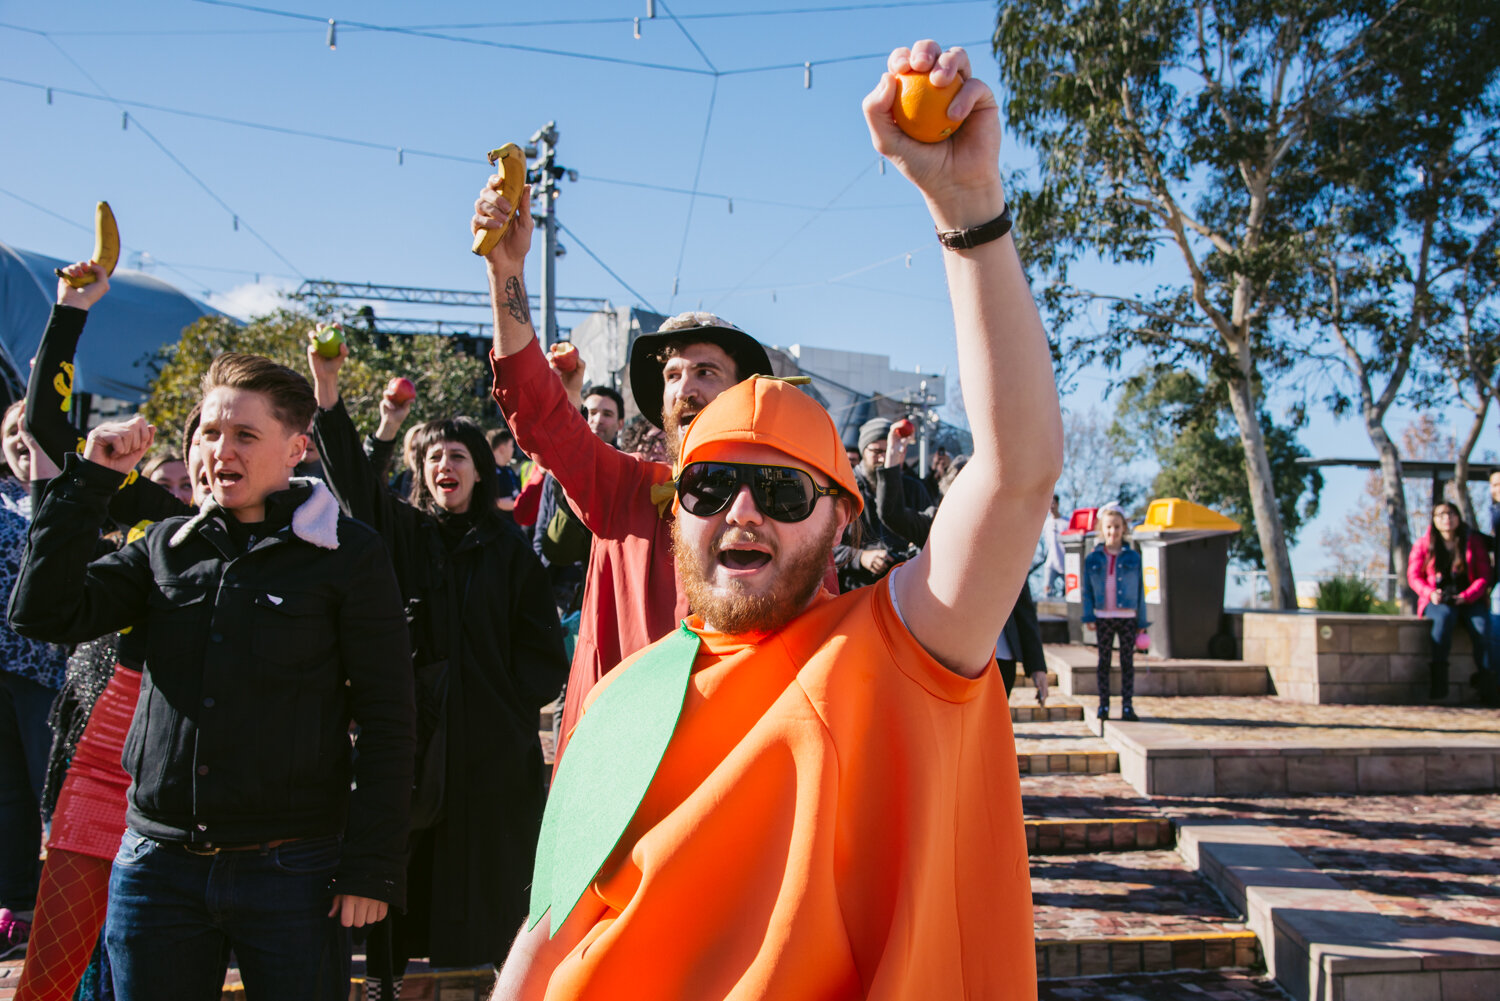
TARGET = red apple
(904,427)
(564,356)
(400,391)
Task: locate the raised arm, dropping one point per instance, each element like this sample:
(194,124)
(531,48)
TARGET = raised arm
(956,595)
(49,389)
(60,597)
(540,402)
(348,471)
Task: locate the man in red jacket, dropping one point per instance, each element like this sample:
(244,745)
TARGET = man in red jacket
(631,595)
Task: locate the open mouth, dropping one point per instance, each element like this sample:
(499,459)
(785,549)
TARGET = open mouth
(743,559)
(447,484)
(227,479)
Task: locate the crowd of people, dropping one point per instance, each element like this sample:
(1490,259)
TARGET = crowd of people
(278,718)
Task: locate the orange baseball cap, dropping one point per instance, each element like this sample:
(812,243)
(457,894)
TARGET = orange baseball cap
(763,410)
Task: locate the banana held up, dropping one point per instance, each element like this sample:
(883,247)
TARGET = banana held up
(510,163)
(106,247)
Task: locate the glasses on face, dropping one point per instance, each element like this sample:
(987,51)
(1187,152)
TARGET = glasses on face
(781,492)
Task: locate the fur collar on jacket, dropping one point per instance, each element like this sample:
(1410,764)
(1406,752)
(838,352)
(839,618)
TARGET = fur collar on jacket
(316,520)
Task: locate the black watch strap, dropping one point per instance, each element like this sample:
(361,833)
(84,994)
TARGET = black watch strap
(965,239)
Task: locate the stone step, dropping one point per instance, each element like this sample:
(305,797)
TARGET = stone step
(1264,747)
(1076,667)
(1101,914)
(1330,940)
(1098,834)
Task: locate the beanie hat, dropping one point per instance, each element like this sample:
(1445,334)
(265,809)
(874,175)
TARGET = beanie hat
(873,430)
(768,411)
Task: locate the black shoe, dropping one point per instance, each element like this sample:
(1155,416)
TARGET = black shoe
(1129,716)
(1103,712)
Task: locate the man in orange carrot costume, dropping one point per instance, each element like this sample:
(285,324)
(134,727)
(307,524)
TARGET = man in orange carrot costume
(797,795)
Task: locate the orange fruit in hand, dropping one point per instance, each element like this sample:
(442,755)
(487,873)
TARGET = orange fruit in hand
(921,110)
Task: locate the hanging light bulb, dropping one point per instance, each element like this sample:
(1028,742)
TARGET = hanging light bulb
(49,95)
(637,27)
(333,33)
(124,120)
(807,76)
(236,224)
(651,8)
(882,166)
(731,206)
(400,157)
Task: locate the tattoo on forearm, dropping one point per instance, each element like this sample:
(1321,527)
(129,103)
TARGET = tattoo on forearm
(515,301)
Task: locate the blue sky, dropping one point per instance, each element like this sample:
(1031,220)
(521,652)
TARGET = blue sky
(820,247)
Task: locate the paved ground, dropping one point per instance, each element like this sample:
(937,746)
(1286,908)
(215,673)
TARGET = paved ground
(1123,893)
(1226,985)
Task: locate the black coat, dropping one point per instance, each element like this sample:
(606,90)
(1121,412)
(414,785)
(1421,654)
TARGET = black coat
(491,593)
(256,661)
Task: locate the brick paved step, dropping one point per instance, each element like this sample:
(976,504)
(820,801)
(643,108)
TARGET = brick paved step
(421,984)
(1182,985)
(1062,745)
(1069,763)
(1054,713)
(1099,914)
(1057,837)
(1024,680)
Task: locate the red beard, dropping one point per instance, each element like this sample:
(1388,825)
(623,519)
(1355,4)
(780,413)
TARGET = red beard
(732,611)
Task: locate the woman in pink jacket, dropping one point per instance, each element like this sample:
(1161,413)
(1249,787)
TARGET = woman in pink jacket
(1450,572)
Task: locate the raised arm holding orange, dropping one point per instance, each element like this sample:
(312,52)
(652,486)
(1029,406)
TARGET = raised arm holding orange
(820,797)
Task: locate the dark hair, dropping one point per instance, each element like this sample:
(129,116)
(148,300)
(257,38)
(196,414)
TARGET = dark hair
(288,392)
(610,392)
(495,436)
(671,349)
(461,431)
(634,434)
(1437,553)
(190,428)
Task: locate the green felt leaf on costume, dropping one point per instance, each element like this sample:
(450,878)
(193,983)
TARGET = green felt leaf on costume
(610,762)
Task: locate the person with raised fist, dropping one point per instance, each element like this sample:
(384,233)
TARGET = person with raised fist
(273,623)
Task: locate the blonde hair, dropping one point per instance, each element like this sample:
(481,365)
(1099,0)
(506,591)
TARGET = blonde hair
(1112,509)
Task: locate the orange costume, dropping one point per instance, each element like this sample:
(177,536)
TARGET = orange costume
(832,814)
(848,829)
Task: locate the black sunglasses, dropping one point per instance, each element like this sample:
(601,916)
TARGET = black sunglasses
(781,492)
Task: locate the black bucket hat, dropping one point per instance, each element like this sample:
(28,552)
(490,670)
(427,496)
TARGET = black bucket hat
(646,381)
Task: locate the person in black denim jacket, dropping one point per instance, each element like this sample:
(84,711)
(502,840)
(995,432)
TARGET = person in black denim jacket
(272,623)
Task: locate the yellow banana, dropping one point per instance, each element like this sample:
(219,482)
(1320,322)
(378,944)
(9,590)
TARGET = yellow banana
(106,246)
(510,162)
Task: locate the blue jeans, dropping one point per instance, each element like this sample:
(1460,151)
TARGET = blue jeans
(25,740)
(174,916)
(1475,620)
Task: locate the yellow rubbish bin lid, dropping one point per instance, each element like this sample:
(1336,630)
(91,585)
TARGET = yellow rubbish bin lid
(1174,513)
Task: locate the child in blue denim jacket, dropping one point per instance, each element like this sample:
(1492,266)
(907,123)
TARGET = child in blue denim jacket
(1114,605)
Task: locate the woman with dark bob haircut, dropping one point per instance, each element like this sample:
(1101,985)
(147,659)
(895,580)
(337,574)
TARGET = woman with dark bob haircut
(487,650)
(460,431)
